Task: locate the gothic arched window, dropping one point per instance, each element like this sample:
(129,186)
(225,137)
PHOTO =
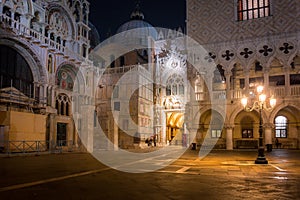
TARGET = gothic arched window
(63,104)
(281,123)
(175,85)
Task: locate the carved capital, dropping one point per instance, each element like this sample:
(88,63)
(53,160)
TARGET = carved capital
(228,126)
(269,125)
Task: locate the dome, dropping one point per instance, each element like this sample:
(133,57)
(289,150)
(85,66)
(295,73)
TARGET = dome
(145,27)
(137,30)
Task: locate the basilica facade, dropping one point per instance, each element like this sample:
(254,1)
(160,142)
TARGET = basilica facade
(44,55)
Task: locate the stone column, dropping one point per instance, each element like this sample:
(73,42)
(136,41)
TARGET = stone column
(209,82)
(116,136)
(53,96)
(41,93)
(35,87)
(229,141)
(52,132)
(227,75)
(266,81)
(113,133)
(247,80)
(287,81)
(268,133)
(163,129)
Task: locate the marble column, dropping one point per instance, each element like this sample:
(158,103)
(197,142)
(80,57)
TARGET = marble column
(116,136)
(266,80)
(229,141)
(287,81)
(228,95)
(268,133)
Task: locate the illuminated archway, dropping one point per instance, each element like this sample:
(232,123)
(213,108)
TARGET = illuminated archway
(174,125)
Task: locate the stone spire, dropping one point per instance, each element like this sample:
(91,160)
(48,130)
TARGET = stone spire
(137,13)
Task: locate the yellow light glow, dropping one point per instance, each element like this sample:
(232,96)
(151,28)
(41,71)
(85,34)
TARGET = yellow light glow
(262,98)
(272,102)
(244,101)
(259,89)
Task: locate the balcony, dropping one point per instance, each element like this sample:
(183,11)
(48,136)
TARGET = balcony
(277,92)
(124,69)
(38,38)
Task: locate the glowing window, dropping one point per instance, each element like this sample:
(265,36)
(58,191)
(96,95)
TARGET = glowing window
(281,127)
(252,9)
(247,133)
(216,133)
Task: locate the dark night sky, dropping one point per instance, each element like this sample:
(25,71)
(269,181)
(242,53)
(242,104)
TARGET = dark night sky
(108,15)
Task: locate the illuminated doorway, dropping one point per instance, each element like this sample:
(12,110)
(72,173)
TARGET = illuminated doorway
(174,131)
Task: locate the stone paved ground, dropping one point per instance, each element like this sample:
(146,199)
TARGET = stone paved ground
(220,175)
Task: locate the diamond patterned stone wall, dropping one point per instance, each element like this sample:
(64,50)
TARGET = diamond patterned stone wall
(215,21)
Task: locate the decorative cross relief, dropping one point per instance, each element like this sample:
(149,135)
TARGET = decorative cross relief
(266,50)
(227,55)
(286,48)
(246,53)
(210,57)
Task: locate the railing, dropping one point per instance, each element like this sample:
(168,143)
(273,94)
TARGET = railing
(219,95)
(38,38)
(277,92)
(12,147)
(124,69)
(295,90)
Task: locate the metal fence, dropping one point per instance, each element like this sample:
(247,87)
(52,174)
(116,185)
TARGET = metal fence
(60,146)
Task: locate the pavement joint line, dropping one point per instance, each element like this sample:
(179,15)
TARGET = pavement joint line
(24,185)
(182,170)
(203,174)
(146,159)
(278,168)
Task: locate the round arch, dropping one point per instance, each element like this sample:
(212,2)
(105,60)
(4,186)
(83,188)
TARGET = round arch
(39,73)
(176,120)
(52,8)
(68,74)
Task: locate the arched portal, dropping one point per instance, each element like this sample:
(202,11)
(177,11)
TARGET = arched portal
(15,72)
(210,130)
(174,125)
(286,127)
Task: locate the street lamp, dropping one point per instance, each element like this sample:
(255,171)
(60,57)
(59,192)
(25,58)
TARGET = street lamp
(260,104)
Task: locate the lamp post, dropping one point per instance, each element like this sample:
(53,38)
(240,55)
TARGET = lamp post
(260,104)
